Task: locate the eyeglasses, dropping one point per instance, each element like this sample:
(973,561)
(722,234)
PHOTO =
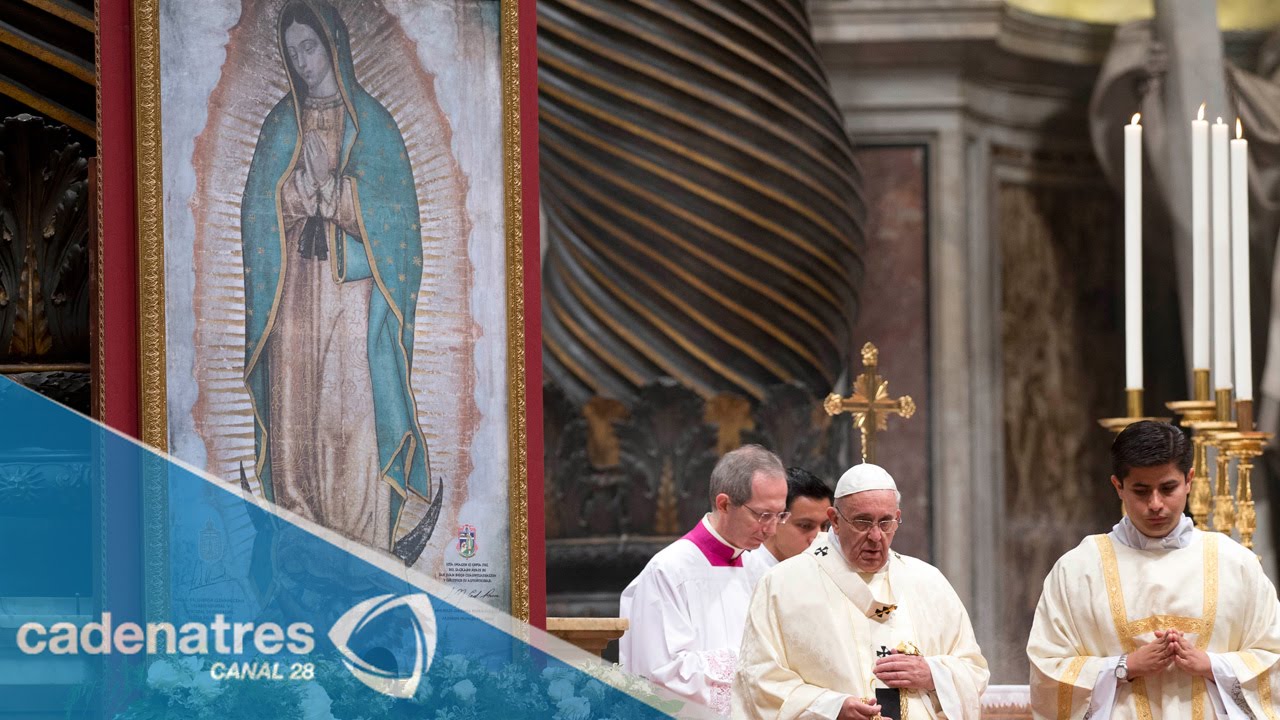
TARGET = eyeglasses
(863,525)
(766,518)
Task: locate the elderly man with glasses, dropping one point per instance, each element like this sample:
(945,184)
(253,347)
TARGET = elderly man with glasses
(687,607)
(851,629)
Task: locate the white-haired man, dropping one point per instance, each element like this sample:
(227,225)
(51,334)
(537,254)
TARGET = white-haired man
(687,607)
(867,618)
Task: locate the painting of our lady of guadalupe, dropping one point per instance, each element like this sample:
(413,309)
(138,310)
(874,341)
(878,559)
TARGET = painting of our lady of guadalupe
(333,216)
(331,299)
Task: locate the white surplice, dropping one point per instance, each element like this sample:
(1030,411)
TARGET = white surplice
(686,611)
(817,625)
(1109,595)
(758,562)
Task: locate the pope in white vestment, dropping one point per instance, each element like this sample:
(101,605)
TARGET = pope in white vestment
(825,626)
(1155,619)
(687,607)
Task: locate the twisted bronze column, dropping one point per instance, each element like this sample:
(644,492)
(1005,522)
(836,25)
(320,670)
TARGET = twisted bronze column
(703,205)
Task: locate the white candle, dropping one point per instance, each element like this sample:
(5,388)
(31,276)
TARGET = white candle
(1240,263)
(1133,253)
(1200,240)
(1221,258)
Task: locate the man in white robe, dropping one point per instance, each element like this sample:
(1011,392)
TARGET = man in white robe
(830,626)
(1155,619)
(808,497)
(687,607)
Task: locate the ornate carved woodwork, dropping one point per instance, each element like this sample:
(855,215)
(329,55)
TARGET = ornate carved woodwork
(666,453)
(791,424)
(45,267)
(645,470)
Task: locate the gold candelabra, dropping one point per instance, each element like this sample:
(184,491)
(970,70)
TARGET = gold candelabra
(1242,445)
(1211,424)
(1212,503)
(1133,406)
(1224,508)
(1203,416)
(1212,427)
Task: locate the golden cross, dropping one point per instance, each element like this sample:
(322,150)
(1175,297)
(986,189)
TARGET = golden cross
(870,404)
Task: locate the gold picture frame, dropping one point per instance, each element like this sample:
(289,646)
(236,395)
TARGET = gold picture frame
(153,343)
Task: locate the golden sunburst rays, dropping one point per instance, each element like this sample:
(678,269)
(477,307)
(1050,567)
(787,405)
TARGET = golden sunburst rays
(253,80)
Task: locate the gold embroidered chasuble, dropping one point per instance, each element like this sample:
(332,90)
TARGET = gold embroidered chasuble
(816,627)
(1104,599)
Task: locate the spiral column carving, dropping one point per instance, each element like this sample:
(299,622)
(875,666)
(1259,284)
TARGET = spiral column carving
(703,206)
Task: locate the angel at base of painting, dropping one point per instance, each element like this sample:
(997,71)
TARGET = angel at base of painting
(330,292)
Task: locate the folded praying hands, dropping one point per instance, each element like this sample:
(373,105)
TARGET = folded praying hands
(313,176)
(1189,658)
(1170,649)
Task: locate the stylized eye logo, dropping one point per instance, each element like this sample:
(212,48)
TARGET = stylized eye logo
(424,630)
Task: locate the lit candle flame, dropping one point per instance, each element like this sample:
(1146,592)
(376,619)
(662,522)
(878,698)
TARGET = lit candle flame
(1200,112)
(1136,117)
(1239,129)
(1219,122)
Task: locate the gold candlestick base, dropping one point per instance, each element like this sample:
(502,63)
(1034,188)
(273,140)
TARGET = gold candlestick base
(1204,436)
(1224,508)
(1243,447)
(1133,403)
(1193,411)
(1199,416)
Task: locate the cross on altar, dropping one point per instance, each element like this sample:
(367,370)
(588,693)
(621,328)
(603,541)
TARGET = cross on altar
(870,404)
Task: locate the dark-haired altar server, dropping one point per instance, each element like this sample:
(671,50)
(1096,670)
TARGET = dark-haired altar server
(1155,619)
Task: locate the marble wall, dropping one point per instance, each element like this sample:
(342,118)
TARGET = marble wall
(895,316)
(1060,322)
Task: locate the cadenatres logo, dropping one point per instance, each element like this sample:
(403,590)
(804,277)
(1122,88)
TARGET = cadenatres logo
(222,637)
(424,630)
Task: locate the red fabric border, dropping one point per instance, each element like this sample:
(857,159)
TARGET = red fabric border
(117,351)
(120,360)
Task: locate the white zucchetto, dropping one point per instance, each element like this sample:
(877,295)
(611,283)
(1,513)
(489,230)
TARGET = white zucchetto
(864,477)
